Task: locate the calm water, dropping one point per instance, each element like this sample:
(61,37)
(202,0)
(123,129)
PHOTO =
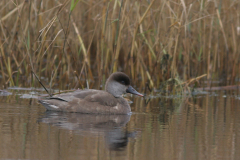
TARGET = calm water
(204,127)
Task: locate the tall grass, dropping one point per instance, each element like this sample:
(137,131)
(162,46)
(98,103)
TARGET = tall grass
(73,42)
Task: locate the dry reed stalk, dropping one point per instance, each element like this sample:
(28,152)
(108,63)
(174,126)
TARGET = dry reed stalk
(7,63)
(193,80)
(221,26)
(13,11)
(73,5)
(9,79)
(216,60)
(2,70)
(188,55)
(43,42)
(173,66)
(9,68)
(225,60)
(143,77)
(89,51)
(118,34)
(51,43)
(18,66)
(105,11)
(139,57)
(170,30)
(83,48)
(46,29)
(135,33)
(105,40)
(236,55)
(188,45)
(80,41)
(78,83)
(14,30)
(2,58)
(4,34)
(209,52)
(54,73)
(146,41)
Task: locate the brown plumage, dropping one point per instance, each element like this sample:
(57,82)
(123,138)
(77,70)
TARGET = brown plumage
(109,101)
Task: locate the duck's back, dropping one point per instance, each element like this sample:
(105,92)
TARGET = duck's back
(87,101)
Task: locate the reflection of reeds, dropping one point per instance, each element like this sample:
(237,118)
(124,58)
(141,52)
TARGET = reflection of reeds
(152,41)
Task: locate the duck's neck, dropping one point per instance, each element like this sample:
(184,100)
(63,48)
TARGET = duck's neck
(113,89)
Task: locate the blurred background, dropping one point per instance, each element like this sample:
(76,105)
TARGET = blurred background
(72,42)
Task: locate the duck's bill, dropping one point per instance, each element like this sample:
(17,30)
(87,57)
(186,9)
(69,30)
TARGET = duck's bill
(133,91)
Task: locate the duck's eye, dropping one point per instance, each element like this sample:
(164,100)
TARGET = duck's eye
(123,82)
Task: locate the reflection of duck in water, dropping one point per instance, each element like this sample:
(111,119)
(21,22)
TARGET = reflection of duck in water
(109,101)
(111,126)
(117,139)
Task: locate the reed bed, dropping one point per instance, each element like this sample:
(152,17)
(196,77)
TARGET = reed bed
(70,44)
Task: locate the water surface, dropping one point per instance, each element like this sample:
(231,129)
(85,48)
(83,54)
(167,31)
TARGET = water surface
(206,126)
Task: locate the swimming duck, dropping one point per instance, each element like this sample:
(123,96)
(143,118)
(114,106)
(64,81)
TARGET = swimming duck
(94,101)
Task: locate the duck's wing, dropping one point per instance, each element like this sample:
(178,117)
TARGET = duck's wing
(100,97)
(86,101)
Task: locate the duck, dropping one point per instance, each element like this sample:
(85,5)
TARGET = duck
(91,101)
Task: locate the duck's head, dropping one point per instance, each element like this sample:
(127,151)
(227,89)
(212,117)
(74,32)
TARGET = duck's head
(118,84)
